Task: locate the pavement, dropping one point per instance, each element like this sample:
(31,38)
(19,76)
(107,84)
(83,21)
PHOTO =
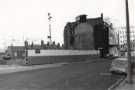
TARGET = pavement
(126,86)
(122,84)
(5,69)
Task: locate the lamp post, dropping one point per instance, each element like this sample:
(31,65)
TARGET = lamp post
(129,70)
(26,51)
(50,31)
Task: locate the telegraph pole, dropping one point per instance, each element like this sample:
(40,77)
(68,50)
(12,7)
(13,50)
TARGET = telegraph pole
(129,71)
(50,31)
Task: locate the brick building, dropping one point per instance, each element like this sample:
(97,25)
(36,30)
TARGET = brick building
(87,34)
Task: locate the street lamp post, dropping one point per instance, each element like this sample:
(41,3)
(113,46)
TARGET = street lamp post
(129,71)
(50,31)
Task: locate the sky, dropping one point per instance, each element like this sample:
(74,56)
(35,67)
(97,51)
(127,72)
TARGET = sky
(28,19)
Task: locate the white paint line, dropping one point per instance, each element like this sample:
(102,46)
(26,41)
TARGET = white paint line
(116,84)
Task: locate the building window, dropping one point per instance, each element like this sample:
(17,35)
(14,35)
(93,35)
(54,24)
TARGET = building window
(37,51)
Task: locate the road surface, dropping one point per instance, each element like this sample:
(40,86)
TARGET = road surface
(75,76)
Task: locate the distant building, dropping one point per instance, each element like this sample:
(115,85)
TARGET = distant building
(87,34)
(122,37)
(118,37)
(18,52)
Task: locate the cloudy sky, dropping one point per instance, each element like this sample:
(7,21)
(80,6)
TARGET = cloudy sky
(27,19)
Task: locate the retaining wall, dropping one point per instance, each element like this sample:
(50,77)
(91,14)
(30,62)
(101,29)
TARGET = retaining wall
(60,56)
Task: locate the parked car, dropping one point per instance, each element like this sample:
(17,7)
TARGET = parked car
(6,57)
(119,65)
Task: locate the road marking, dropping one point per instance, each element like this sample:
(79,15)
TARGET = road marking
(116,84)
(87,61)
(105,74)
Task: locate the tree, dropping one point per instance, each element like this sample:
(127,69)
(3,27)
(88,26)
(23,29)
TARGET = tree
(42,43)
(58,45)
(32,45)
(47,43)
(108,22)
(26,44)
(53,43)
(62,46)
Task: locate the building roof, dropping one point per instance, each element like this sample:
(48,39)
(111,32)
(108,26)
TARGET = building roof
(35,46)
(16,47)
(94,21)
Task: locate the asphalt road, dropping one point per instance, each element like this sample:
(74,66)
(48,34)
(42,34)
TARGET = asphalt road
(75,76)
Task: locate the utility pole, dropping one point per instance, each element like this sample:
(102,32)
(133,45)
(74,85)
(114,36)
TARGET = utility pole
(12,47)
(129,72)
(26,51)
(118,42)
(50,31)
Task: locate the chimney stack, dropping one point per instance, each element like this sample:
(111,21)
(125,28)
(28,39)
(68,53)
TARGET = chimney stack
(81,18)
(102,16)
